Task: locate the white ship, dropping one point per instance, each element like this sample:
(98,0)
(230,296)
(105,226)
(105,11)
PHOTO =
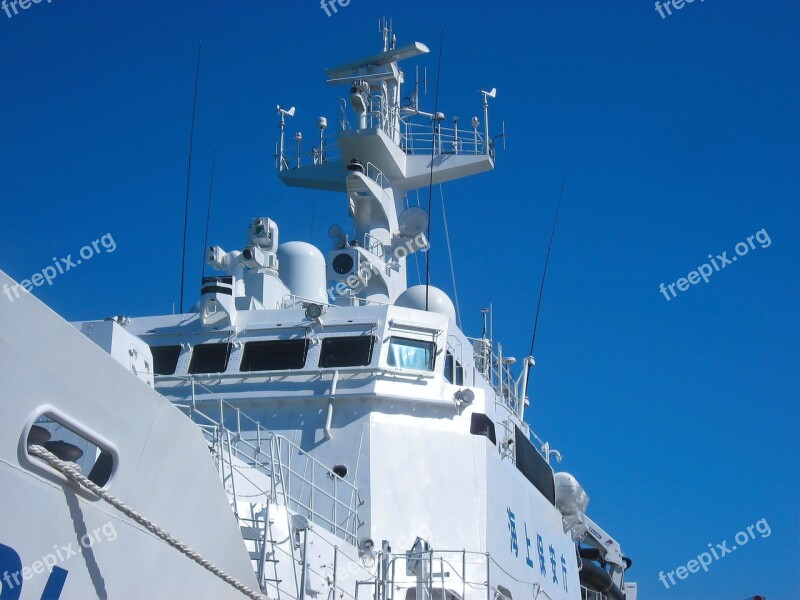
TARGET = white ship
(312,428)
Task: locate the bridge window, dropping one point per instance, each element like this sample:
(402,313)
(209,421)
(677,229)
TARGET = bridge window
(210,358)
(352,351)
(165,359)
(274,355)
(415,355)
(453,370)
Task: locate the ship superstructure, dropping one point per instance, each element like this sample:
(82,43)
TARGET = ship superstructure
(366,446)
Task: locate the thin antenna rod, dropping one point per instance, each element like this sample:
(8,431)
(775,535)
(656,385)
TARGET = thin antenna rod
(208,209)
(188,176)
(546,262)
(430,181)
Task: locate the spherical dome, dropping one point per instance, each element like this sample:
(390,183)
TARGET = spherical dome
(438,301)
(302,269)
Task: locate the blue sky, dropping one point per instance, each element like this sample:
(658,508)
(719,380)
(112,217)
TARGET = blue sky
(680,139)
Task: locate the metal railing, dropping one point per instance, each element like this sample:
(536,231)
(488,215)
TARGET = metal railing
(496,372)
(587,594)
(422,138)
(301,482)
(374,173)
(443,575)
(412,137)
(323,149)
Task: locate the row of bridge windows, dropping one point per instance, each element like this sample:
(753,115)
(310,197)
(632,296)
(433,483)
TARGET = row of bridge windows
(283,355)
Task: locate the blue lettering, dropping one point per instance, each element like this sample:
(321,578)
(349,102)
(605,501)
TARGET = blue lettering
(553,563)
(528,560)
(564,572)
(11,567)
(512,528)
(55,583)
(11,584)
(540,548)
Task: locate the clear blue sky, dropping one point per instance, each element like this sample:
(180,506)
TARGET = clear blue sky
(680,137)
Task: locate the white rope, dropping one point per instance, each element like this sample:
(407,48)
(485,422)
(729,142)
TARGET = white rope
(450,256)
(73,473)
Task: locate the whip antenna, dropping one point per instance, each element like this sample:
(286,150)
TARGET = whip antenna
(546,262)
(188,176)
(208,210)
(430,182)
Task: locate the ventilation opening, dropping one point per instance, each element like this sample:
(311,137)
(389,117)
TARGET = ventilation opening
(340,471)
(95,463)
(480,424)
(433,594)
(503,593)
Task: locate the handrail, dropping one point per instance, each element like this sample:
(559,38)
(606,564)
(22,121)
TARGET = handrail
(471,574)
(412,137)
(295,158)
(420,138)
(285,463)
(498,375)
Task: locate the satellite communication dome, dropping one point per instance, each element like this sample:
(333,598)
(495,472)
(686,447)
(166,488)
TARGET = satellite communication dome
(413,221)
(438,301)
(302,269)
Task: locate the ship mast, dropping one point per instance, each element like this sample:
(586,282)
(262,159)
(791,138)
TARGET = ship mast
(392,147)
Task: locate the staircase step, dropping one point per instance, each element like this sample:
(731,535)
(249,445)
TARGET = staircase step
(257,557)
(250,533)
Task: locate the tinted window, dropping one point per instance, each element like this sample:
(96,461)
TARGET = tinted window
(165,359)
(274,355)
(346,351)
(453,370)
(210,358)
(411,354)
(534,466)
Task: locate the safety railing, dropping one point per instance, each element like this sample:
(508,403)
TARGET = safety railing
(422,138)
(304,484)
(323,149)
(497,373)
(587,594)
(374,173)
(412,137)
(444,575)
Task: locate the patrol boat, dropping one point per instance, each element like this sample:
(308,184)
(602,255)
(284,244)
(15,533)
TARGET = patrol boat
(312,428)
